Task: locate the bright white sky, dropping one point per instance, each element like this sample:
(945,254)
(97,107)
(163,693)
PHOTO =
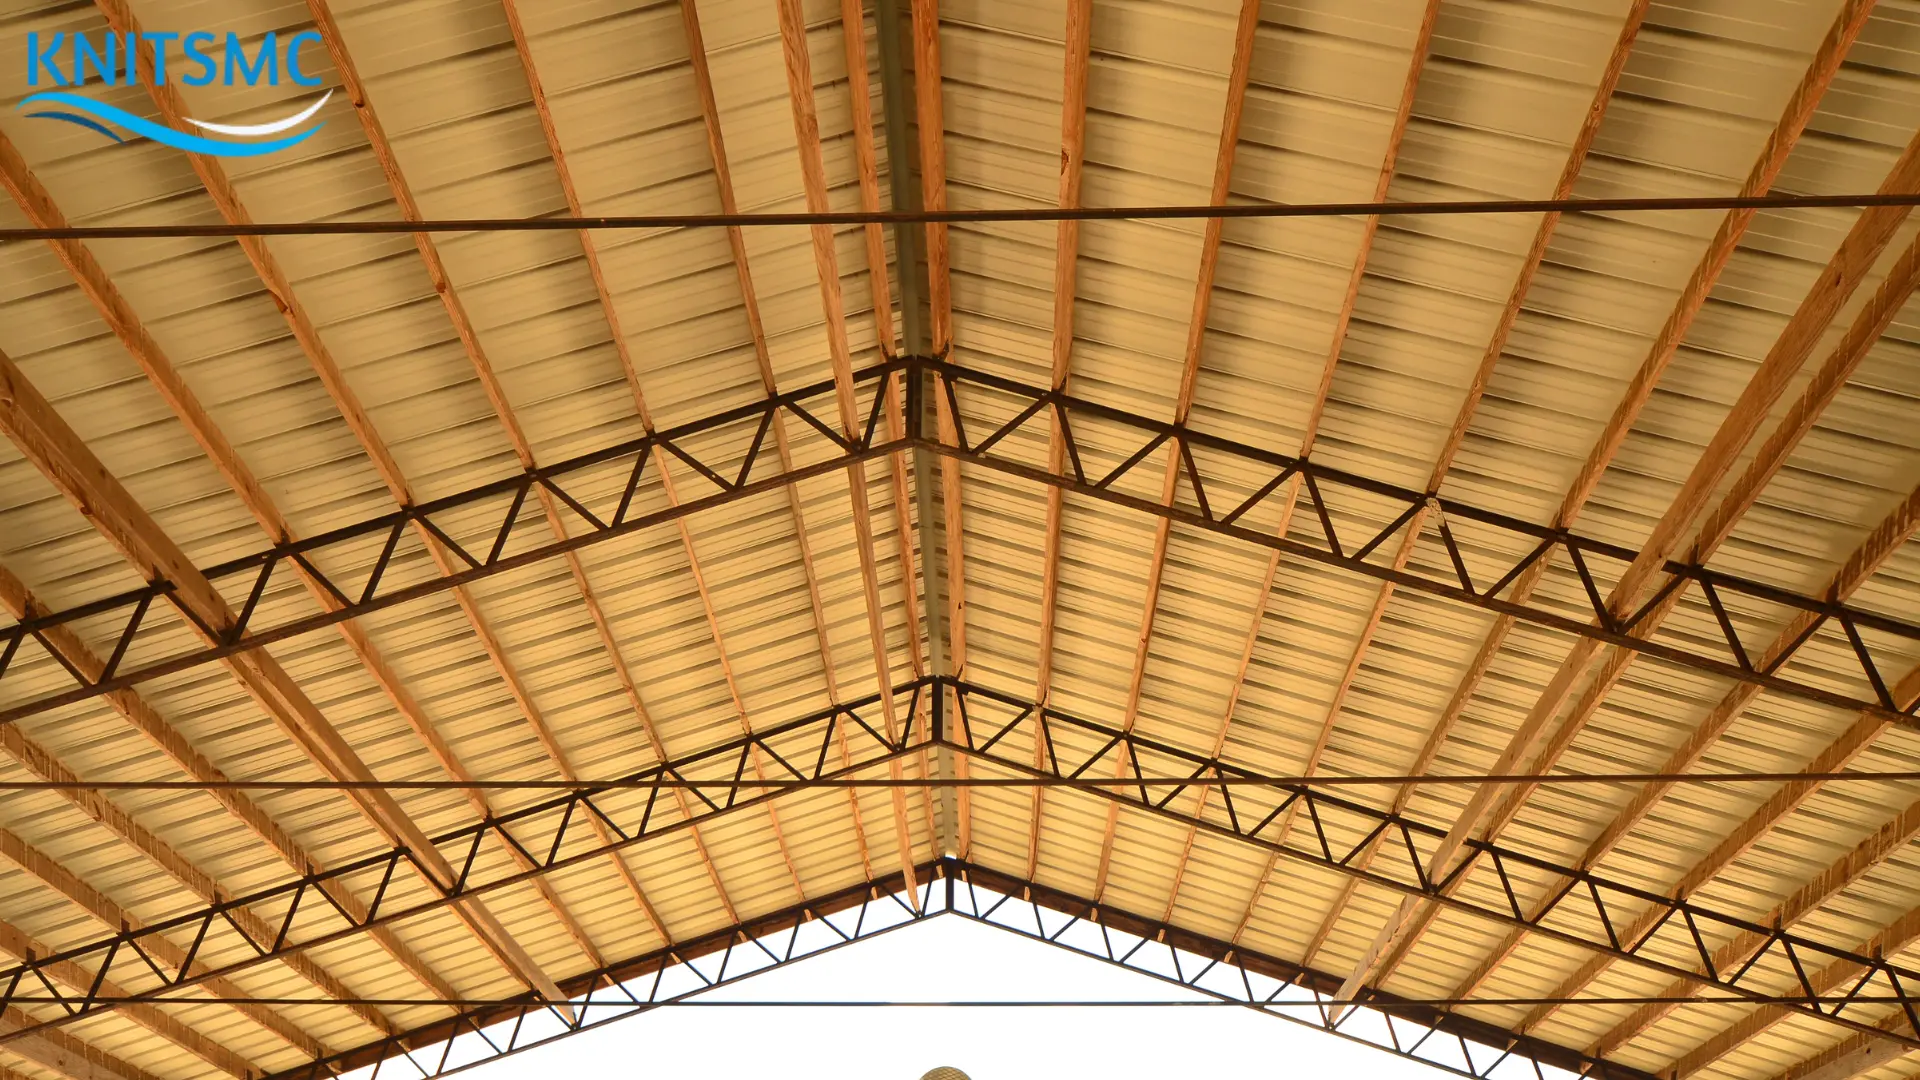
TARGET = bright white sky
(950,959)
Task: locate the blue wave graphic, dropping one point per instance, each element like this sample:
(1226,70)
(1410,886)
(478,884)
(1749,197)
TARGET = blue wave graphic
(179,140)
(81,120)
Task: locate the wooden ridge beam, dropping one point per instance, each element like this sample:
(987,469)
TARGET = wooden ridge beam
(1066,258)
(930,131)
(853,38)
(1872,231)
(813,175)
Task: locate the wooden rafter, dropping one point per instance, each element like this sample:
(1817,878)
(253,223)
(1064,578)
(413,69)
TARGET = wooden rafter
(1772,158)
(1880,544)
(1238,69)
(736,241)
(813,174)
(1476,389)
(19,602)
(1383,182)
(1066,258)
(1872,231)
(214,180)
(1826,383)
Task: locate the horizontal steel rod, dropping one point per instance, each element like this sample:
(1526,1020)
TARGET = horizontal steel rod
(1178,212)
(918,782)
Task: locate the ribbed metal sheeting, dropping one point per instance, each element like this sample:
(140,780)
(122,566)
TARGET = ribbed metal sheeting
(1504,91)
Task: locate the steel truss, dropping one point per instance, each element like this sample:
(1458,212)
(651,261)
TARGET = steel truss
(1300,824)
(1494,882)
(1485,552)
(380,563)
(1215,968)
(1227,481)
(306,912)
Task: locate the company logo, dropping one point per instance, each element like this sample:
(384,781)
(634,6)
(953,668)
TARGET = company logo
(64,63)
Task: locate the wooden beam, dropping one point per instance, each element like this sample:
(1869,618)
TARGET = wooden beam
(43,764)
(813,174)
(127,326)
(1066,257)
(22,947)
(1383,182)
(1238,68)
(63,1053)
(1864,243)
(113,918)
(1773,157)
(1796,423)
(53,447)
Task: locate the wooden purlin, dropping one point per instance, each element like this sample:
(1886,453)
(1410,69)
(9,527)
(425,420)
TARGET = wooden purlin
(1795,424)
(590,252)
(19,602)
(37,760)
(1383,181)
(401,492)
(1864,243)
(736,241)
(1238,70)
(1584,136)
(1066,257)
(1880,544)
(63,1053)
(1798,112)
(170,957)
(813,173)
